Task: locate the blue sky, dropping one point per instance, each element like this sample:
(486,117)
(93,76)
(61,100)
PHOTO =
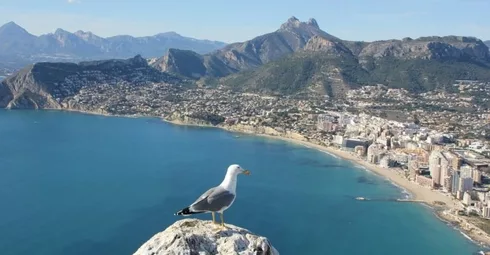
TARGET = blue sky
(231,21)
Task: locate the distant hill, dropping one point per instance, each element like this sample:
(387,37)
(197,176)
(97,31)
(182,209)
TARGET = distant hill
(44,85)
(18,45)
(300,57)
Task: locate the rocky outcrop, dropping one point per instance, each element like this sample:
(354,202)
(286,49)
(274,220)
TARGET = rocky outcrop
(262,130)
(318,43)
(195,119)
(183,62)
(449,47)
(192,236)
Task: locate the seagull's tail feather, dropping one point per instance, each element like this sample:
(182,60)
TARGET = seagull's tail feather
(186,212)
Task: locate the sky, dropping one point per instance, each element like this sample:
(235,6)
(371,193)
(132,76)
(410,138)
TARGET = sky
(234,21)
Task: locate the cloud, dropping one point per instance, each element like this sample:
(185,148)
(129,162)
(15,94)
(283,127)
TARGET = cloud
(73,1)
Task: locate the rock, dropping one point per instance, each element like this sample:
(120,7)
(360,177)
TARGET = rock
(193,236)
(318,43)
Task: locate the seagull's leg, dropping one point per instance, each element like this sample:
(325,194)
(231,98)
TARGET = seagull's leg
(222,225)
(222,219)
(214,219)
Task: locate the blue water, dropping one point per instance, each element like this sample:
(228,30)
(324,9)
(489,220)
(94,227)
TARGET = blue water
(82,184)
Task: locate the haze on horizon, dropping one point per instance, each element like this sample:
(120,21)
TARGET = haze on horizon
(239,21)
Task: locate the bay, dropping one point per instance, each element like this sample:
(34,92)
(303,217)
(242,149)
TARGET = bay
(84,184)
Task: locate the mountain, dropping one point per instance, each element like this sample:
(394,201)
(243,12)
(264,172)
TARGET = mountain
(301,58)
(15,40)
(44,85)
(18,45)
(331,68)
(487,43)
(290,37)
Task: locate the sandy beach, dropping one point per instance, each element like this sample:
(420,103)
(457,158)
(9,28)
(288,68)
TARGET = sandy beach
(417,192)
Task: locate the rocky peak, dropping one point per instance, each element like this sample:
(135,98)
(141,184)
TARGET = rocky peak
(12,29)
(138,60)
(293,22)
(60,31)
(168,34)
(312,22)
(85,35)
(193,236)
(11,25)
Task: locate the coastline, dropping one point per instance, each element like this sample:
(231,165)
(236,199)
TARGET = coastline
(416,192)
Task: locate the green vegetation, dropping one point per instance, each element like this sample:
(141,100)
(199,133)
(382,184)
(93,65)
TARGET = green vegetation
(300,72)
(419,75)
(335,73)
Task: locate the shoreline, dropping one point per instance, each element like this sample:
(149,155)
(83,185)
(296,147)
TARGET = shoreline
(415,192)
(423,195)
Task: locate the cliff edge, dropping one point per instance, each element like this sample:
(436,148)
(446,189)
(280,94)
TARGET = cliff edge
(193,236)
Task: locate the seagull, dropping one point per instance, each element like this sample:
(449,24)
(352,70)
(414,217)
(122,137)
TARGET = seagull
(219,198)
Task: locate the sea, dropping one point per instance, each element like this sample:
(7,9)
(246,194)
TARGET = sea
(75,183)
(2,77)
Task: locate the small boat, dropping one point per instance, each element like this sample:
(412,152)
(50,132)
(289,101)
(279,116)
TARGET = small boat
(360,198)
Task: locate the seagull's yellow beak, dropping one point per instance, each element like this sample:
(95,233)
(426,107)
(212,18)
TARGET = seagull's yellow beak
(246,172)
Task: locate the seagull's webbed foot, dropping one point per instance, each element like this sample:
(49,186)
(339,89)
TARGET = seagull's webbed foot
(219,228)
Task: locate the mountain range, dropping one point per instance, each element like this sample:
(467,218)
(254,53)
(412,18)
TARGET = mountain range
(487,43)
(18,45)
(300,57)
(297,59)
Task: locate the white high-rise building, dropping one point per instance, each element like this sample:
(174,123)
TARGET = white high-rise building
(486,212)
(435,167)
(467,198)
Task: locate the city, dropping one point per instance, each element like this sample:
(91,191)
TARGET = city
(352,128)
(425,153)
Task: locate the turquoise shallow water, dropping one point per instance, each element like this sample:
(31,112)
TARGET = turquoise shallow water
(81,184)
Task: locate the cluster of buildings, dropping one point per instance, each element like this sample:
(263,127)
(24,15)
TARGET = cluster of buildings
(461,109)
(436,160)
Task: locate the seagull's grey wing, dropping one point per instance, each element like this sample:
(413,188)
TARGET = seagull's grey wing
(204,195)
(216,200)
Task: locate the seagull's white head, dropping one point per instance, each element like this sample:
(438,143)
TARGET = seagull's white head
(236,170)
